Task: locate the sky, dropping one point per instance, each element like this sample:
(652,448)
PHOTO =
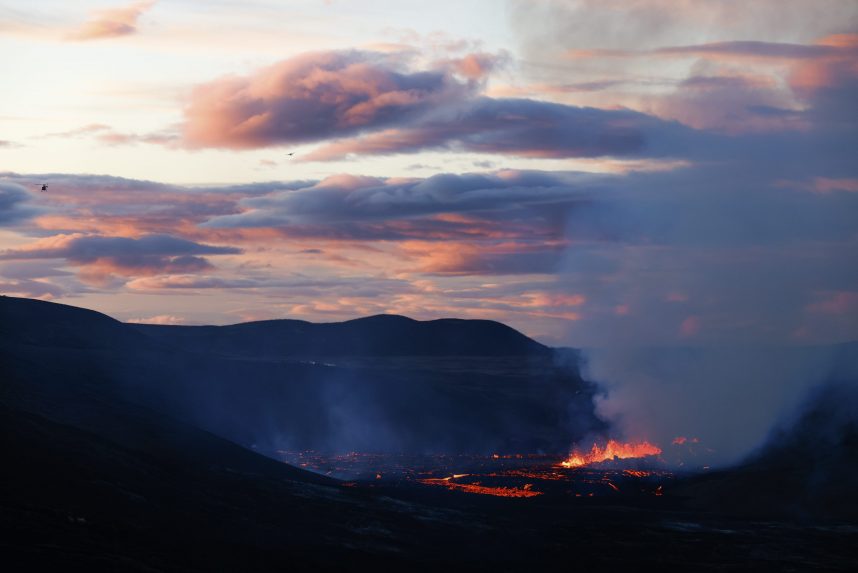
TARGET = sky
(596,174)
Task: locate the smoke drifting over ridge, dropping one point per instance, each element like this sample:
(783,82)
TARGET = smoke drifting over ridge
(709,287)
(730,399)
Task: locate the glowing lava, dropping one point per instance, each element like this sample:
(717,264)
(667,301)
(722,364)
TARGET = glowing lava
(477,487)
(612,450)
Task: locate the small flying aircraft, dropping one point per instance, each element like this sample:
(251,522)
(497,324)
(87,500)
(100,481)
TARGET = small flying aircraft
(44,186)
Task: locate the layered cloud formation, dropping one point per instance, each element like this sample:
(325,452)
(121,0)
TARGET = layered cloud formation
(100,256)
(376,103)
(681,174)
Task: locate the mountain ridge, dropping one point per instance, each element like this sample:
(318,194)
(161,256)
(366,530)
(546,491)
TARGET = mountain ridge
(376,335)
(395,384)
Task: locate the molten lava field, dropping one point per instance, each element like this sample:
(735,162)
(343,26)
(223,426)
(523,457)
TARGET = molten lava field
(517,475)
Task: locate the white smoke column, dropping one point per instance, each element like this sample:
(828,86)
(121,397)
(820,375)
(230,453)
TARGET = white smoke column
(728,398)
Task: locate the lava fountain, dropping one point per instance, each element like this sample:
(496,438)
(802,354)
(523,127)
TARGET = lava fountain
(612,450)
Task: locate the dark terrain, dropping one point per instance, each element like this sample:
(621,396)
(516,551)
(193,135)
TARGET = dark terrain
(126,448)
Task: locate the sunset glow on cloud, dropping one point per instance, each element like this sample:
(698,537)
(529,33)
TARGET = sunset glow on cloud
(588,172)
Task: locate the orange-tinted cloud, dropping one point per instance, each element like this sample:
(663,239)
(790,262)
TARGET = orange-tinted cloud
(112,23)
(829,83)
(754,86)
(828,185)
(838,303)
(732,103)
(484,258)
(372,103)
(690,326)
(101,257)
(158,319)
(40,289)
(506,204)
(313,97)
(752,50)
(476,66)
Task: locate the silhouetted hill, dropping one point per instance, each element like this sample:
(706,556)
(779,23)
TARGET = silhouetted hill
(36,322)
(243,382)
(380,335)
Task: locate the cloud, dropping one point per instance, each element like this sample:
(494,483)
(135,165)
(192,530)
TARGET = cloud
(829,85)
(477,66)
(83,130)
(85,249)
(101,257)
(521,127)
(546,28)
(828,185)
(192,282)
(372,103)
(731,103)
(105,134)
(158,319)
(116,206)
(112,23)
(735,50)
(754,86)
(44,290)
(503,258)
(14,203)
(316,96)
(753,50)
(500,205)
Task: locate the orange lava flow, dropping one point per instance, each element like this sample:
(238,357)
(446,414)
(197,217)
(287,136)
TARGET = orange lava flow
(525,491)
(612,450)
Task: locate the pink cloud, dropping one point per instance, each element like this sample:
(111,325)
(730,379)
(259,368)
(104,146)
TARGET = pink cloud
(372,103)
(101,258)
(476,66)
(731,103)
(41,289)
(520,127)
(315,96)
(622,310)
(112,23)
(193,282)
(752,50)
(838,303)
(828,185)
(501,258)
(158,319)
(831,71)
(732,51)
(690,326)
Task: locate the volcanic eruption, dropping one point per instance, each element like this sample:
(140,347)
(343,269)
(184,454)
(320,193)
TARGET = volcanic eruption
(611,451)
